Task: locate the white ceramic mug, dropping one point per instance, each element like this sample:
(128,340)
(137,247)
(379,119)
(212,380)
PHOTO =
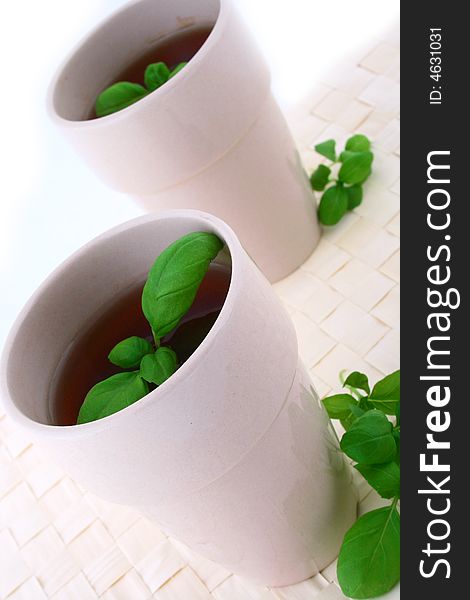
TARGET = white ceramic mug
(211,138)
(233,454)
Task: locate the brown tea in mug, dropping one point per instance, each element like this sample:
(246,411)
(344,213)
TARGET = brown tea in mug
(86,361)
(171,49)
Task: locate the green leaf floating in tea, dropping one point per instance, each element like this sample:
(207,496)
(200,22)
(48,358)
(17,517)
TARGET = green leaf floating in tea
(168,294)
(156,75)
(175,278)
(128,353)
(177,69)
(159,366)
(123,93)
(118,96)
(111,395)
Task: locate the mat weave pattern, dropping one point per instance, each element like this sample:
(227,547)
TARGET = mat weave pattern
(59,542)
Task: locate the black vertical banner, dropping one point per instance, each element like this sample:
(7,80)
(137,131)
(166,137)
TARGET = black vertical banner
(435,354)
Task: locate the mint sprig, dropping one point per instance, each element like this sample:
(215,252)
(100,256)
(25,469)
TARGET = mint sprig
(123,93)
(344,192)
(369,559)
(168,294)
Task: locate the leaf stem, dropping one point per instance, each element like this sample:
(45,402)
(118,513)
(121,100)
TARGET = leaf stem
(156,340)
(355,392)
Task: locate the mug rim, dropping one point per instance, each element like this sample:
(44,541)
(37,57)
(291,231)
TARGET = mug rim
(222,17)
(66,431)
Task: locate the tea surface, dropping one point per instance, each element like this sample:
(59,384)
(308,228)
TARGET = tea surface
(86,361)
(171,49)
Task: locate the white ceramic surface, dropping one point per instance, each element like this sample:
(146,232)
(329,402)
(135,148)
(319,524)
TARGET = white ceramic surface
(233,454)
(211,138)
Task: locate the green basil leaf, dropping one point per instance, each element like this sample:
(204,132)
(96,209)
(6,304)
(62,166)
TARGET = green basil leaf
(369,440)
(177,69)
(327,149)
(158,367)
(396,435)
(346,154)
(369,559)
(339,406)
(128,353)
(366,176)
(356,412)
(320,177)
(111,395)
(356,168)
(156,75)
(174,280)
(333,205)
(365,404)
(397,413)
(386,393)
(354,196)
(358,143)
(118,96)
(358,381)
(384,478)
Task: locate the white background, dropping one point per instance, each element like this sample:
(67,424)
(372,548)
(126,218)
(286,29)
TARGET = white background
(50,204)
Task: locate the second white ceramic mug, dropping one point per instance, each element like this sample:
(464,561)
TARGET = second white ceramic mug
(233,454)
(212,138)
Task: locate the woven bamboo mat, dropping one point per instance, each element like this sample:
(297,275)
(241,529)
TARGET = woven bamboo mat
(59,542)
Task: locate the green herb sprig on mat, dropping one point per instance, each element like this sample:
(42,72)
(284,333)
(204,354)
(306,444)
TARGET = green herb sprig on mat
(369,559)
(344,192)
(123,94)
(168,294)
